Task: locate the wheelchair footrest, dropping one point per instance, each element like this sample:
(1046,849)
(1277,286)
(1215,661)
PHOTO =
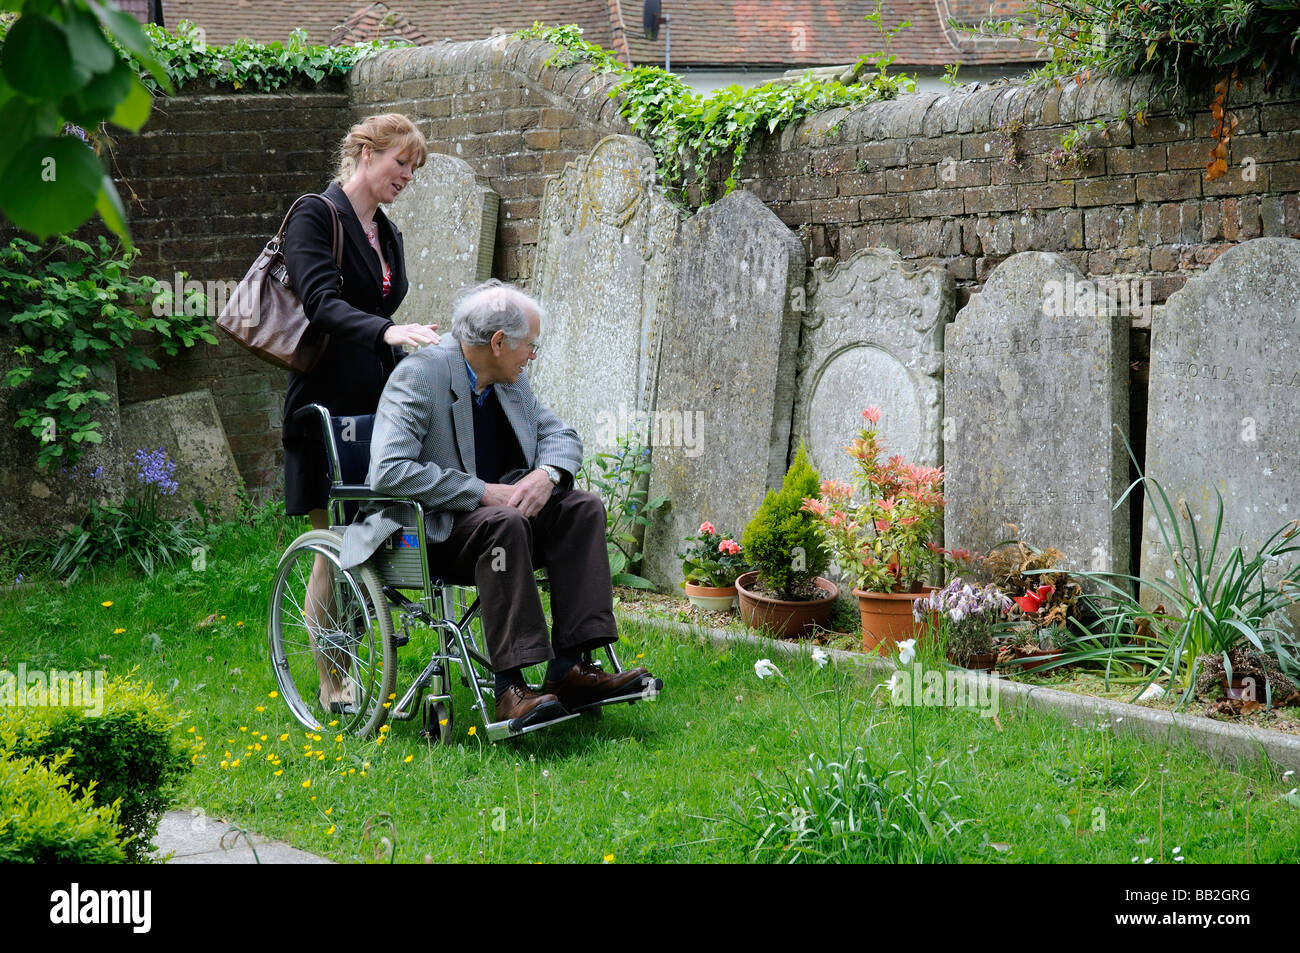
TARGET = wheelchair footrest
(649,692)
(496,730)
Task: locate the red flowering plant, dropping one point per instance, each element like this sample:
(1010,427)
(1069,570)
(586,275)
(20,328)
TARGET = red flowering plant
(712,559)
(881,530)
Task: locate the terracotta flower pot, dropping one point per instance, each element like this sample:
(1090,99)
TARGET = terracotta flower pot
(887,618)
(1032,663)
(784,618)
(713,598)
(982,662)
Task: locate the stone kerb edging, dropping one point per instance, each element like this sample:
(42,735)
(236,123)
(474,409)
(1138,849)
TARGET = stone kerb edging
(578,85)
(1233,744)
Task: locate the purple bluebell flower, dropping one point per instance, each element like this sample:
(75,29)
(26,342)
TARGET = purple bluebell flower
(156,469)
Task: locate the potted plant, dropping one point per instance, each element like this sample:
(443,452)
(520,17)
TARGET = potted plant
(882,534)
(1033,647)
(784,592)
(711,564)
(967,616)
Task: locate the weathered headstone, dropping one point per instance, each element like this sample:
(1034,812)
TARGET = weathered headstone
(188,428)
(448,218)
(726,380)
(602,273)
(38,502)
(1224,404)
(1036,383)
(872,334)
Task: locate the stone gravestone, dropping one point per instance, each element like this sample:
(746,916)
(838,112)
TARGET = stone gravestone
(189,429)
(1036,379)
(726,382)
(448,218)
(1224,406)
(602,273)
(39,502)
(872,334)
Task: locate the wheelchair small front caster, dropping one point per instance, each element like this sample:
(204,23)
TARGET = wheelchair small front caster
(437,723)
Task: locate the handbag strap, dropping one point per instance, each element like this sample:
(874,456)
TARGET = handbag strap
(278,240)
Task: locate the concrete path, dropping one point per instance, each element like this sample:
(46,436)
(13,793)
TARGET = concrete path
(194,838)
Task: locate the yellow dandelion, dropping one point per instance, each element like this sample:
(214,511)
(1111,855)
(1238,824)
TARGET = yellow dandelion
(243,727)
(320,757)
(239,625)
(313,797)
(331,830)
(363,774)
(334,723)
(339,758)
(608,858)
(641,655)
(329,811)
(257,747)
(270,757)
(380,739)
(280,772)
(338,738)
(307,783)
(118,631)
(408,759)
(473,729)
(352,770)
(444,721)
(107,603)
(235,763)
(383,729)
(189,730)
(285,736)
(260,708)
(261,737)
(225,764)
(223,617)
(315,737)
(268,694)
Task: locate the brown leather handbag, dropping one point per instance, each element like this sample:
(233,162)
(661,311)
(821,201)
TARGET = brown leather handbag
(265,314)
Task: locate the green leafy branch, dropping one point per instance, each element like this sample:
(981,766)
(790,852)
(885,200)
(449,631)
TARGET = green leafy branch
(74,308)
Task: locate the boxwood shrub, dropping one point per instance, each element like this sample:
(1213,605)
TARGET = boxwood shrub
(46,819)
(134,753)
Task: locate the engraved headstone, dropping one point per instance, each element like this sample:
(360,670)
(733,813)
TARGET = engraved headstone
(1224,404)
(448,219)
(872,334)
(602,274)
(188,429)
(727,380)
(1036,382)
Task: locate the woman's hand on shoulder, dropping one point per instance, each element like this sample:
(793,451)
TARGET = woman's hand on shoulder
(412,335)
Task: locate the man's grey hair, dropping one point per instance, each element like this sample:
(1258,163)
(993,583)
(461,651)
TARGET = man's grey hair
(493,306)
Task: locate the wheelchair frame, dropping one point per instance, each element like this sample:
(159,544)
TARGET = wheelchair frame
(375,587)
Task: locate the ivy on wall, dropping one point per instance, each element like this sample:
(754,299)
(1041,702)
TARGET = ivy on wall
(692,134)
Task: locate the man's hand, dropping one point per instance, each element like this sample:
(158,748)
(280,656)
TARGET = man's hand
(531,493)
(497,494)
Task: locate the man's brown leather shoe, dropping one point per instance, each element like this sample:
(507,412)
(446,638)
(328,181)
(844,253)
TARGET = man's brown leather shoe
(584,684)
(523,706)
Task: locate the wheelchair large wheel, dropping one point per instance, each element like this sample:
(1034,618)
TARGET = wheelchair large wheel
(342,631)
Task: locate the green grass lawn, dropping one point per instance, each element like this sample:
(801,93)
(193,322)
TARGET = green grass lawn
(658,781)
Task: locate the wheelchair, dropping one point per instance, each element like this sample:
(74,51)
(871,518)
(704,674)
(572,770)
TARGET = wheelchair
(352,629)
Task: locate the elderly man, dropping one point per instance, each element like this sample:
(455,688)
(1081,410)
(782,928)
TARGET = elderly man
(459,428)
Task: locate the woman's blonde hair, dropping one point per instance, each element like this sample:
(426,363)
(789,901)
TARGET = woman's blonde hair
(382,132)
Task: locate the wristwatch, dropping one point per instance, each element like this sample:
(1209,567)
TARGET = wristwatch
(551,472)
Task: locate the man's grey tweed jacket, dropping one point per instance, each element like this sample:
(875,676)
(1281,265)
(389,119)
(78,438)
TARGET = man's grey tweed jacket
(423,446)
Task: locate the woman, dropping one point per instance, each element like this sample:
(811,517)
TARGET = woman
(378,158)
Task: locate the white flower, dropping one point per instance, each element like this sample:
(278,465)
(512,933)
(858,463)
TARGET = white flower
(894,684)
(906,651)
(764,667)
(1287,774)
(820,657)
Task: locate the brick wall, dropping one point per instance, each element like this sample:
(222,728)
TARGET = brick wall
(213,174)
